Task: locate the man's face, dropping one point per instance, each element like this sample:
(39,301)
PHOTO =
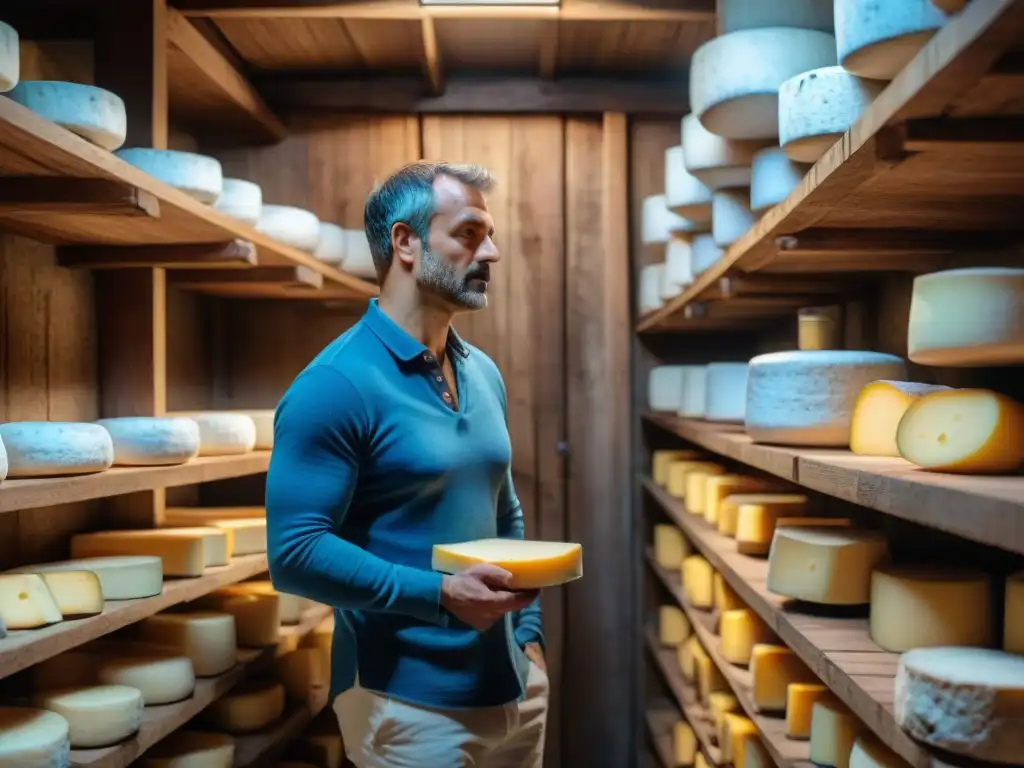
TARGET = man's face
(455,262)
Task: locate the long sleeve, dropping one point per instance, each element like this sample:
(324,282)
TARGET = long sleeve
(320,432)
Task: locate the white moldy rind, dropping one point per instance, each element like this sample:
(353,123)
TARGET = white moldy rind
(198,176)
(658,222)
(665,387)
(735,79)
(52,448)
(731,216)
(773,177)
(10,57)
(358,258)
(685,195)
(330,245)
(734,15)
(146,441)
(694,394)
(877,39)
(650,287)
(704,253)
(807,397)
(98,116)
(241,200)
(223,433)
(292,226)
(717,162)
(678,272)
(264,420)
(726,392)
(33,738)
(816,108)
(963,700)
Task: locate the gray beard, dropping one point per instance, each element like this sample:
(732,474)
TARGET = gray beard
(441,280)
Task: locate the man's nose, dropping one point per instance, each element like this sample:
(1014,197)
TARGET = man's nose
(487,252)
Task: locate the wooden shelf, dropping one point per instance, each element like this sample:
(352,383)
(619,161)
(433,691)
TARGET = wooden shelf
(893,486)
(660,720)
(891,172)
(84,195)
(264,749)
(21,649)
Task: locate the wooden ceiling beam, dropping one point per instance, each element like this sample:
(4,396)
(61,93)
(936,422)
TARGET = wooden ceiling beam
(432,64)
(548,59)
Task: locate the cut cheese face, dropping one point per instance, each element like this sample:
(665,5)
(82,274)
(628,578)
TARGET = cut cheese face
(207,638)
(55,448)
(678,471)
(292,226)
(33,738)
(1013,614)
(756,524)
(698,581)
(963,700)
(161,679)
(97,115)
(97,715)
(926,607)
(717,488)
(532,564)
(257,616)
(726,395)
(76,593)
(142,441)
(717,162)
(877,413)
(660,461)
(964,431)
(183,552)
(731,216)
(670,547)
(696,486)
(878,41)
(773,504)
(121,578)
(773,668)
(869,752)
(834,729)
(248,707)
(685,194)
(26,602)
(330,245)
(240,200)
(684,743)
(825,565)
(191,749)
(800,700)
(301,671)
(741,629)
(10,69)
(223,434)
(773,176)
(198,176)
(673,626)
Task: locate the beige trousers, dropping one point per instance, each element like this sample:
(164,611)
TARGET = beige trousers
(381,732)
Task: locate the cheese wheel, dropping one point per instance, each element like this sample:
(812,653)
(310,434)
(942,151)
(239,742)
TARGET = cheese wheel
(198,176)
(826,565)
(661,459)
(290,607)
(694,388)
(533,564)
(717,162)
(32,738)
(76,593)
(53,448)
(301,671)
(741,629)
(207,638)
(658,222)
(240,200)
(649,298)
(673,626)
(26,602)
(967,317)
(869,752)
(1013,614)
(696,488)
(257,616)
(292,226)
(834,729)
(963,700)
(735,78)
(180,555)
(739,732)
(786,504)
(703,253)
(877,413)
(358,256)
(191,749)
(145,441)
(718,487)
(698,582)
(678,272)
(756,524)
(773,176)
(725,598)
(670,547)
(707,674)
(800,700)
(731,216)
(160,678)
(925,607)
(966,431)
(121,578)
(686,657)
(726,392)
(877,40)
(97,715)
(772,669)
(720,703)
(685,194)
(10,69)
(679,472)
(223,433)
(734,15)
(98,116)
(684,743)
(321,638)
(263,418)
(665,388)
(330,245)
(248,707)
(807,397)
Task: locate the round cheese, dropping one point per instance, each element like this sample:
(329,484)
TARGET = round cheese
(726,392)
(98,116)
(967,317)
(223,433)
(301,671)
(693,398)
(658,222)
(668,289)
(963,700)
(257,616)
(289,606)
(207,638)
(53,448)
(827,565)
(834,729)
(868,752)
(191,749)
(741,629)
(146,441)
(263,418)
(735,78)
(241,200)
(734,15)
(731,216)
(877,413)
(877,40)
(807,397)
(773,177)
(97,715)
(121,578)
(10,62)
(33,738)
(717,162)
(330,245)
(26,602)
(358,256)
(650,287)
(685,194)
(198,176)
(161,679)
(704,253)
(248,707)
(760,511)
(678,272)
(816,108)
(292,226)
(665,388)
(926,607)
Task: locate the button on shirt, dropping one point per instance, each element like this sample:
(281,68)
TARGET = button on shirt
(372,466)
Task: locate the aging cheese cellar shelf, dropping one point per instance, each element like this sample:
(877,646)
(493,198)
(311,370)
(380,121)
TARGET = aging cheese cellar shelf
(891,171)
(264,749)
(889,485)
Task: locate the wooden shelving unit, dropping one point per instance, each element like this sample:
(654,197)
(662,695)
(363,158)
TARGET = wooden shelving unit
(264,749)
(659,726)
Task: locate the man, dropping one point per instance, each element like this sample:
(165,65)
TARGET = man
(394,439)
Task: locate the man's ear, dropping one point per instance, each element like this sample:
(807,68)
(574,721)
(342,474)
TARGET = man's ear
(405,242)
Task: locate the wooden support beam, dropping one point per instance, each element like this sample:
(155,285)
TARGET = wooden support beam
(879,242)
(993,135)
(234,254)
(286,277)
(56,195)
(432,64)
(734,286)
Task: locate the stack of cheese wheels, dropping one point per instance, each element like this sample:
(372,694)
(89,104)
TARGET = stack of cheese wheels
(694,388)
(807,397)
(703,253)
(678,272)
(98,116)
(10,58)
(877,40)
(330,246)
(223,433)
(773,177)
(734,15)
(825,564)
(731,216)
(726,392)
(716,162)
(817,107)
(650,287)
(665,388)
(53,448)
(33,738)
(145,441)
(290,225)
(192,749)
(685,194)
(198,176)
(877,413)
(241,200)
(533,564)
(358,257)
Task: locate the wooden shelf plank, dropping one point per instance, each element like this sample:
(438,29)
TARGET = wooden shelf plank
(867,180)
(21,649)
(659,726)
(29,493)
(264,749)
(893,486)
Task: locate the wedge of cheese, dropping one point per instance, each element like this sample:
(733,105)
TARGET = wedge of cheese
(184,551)
(877,413)
(533,564)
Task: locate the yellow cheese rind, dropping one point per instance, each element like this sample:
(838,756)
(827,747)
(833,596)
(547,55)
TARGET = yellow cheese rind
(97,715)
(698,581)
(673,626)
(257,616)
(191,749)
(660,461)
(756,524)
(721,703)
(532,564)
(964,431)
(181,554)
(77,593)
(696,488)
(717,488)
(670,547)
(1013,614)
(877,413)
(707,674)
(772,669)
(729,509)
(206,637)
(684,743)
(741,629)
(248,707)
(738,730)
(833,732)
(678,471)
(800,699)
(725,599)
(26,602)
(825,565)
(687,657)
(33,738)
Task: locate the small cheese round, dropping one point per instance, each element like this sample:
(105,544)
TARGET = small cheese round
(828,565)
(926,607)
(161,679)
(658,222)
(678,272)
(665,387)
(685,194)
(877,40)
(807,397)
(98,116)
(223,433)
(330,245)
(33,738)
(358,257)
(191,749)
(248,707)
(693,399)
(26,602)
(717,162)
(292,226)
(734,15)
(198,176)
(967,317)
(207,638)
(773,177)
(731,216)
(263,418)
(257,616)
(735,78)
(963,700)
(240,200)
(289,606)
(704,253)
(127,577)
(53,448)
(146,441)
(726,392)
(97,715)
(650,287)
(816,108)
(10,58)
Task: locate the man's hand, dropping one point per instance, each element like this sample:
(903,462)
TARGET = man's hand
(479,595)
(535,654)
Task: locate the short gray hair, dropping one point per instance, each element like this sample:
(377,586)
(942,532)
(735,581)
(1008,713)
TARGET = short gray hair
(407,196)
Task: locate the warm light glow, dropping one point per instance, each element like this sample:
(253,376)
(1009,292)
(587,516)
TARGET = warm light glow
(484,3)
